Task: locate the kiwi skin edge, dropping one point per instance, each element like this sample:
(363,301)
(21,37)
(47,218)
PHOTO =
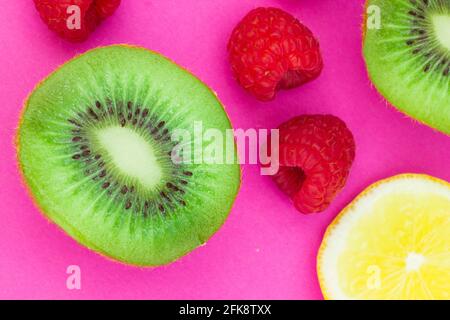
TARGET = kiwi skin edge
(74,234)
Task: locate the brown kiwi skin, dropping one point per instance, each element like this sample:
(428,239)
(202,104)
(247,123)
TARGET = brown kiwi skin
(90,246)
(364,24)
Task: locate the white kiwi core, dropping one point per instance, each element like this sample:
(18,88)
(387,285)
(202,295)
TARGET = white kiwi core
(131,154)
(441,24)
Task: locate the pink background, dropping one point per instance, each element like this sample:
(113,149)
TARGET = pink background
(266,250)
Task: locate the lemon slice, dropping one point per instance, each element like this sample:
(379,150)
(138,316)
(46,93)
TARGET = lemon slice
(391,242)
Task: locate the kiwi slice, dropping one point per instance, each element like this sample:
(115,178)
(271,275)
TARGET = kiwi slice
(408,57)
(95,149)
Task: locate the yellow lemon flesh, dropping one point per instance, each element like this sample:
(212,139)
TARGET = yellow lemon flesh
(391,242)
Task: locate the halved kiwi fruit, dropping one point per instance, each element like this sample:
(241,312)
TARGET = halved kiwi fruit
(408,57)
(94,147)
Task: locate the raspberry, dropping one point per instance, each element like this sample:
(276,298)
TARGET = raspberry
(106,8)
(316,154)
(271,50)
(92,12)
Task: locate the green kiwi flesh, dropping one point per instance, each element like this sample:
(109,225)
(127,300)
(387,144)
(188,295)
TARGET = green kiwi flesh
(408,57)
(94,147)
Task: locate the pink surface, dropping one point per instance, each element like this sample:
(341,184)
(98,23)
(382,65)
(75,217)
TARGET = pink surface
(266,249)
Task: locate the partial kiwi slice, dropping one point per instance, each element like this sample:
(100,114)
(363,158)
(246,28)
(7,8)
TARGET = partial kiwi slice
(95,146)
(407,52)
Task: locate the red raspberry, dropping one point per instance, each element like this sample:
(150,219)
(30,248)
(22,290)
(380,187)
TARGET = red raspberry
(316,153)
(106,8)
(92,12)
(271,50)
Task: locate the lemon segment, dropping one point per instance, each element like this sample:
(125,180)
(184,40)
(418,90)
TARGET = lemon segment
(391,242)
